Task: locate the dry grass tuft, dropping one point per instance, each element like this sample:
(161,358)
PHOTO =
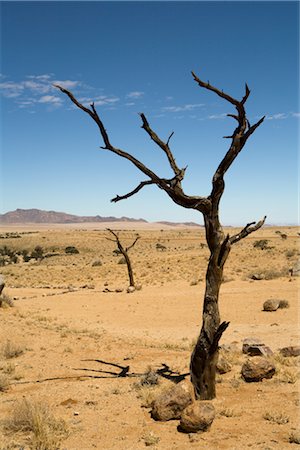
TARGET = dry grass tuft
(4,382)
(46,432)
(278,418)
(6,301)
(11,350)
(150,439)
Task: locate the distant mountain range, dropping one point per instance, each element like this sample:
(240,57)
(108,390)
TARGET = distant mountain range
(40,216)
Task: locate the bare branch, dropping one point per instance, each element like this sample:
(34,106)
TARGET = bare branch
(252,128)
(222,94)
(164,146)
(249,228)
(239,138)
(133,244)
(247,93)
(117,198)
(172,186)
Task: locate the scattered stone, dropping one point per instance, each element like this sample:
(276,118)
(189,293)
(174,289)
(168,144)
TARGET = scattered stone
(293,350)
(257,276)
(130,289)
(271,305)
(254,347)
(296,269)
(118,290)
(197,417)
(170,404)
(138,287)
(249,342)
(294,437)
(223,366)
(257,368)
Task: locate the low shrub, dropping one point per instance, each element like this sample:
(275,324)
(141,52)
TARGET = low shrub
(71,250)
(46,431)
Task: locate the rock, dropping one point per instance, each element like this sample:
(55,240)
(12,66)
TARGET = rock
(296,269)
(257,368)
(118,290)
(197,417)
(293,350)
(271,305)
(170,404)
(223,366)
(254,347)
(130,289)
(249,342)
(294,437)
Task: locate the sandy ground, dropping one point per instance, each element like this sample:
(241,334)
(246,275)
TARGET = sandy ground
(76,338)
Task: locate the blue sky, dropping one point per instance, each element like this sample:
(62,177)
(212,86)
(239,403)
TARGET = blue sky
(132,57)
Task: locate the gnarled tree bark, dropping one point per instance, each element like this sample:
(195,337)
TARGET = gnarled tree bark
(205,354)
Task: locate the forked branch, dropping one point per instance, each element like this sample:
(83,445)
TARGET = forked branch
(239,137)
(248,229)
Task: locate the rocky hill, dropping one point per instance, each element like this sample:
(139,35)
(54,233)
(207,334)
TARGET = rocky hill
(40,216)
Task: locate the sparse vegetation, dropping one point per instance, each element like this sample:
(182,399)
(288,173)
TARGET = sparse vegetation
(262,244)
(4,382)
(71,250)
(11,350)
(6,301)
(150,439)
(278,418)
(36,418)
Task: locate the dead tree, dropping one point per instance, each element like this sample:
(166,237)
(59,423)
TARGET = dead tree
(205,354)
(124,252)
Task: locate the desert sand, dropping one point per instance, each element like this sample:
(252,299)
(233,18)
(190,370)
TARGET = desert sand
(75,333)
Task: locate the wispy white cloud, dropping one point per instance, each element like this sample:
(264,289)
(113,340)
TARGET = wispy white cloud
(34,90)
(11,89)
(217,116)
(50,99)
(188,107)
(99,100)
(135,94)
(278,116)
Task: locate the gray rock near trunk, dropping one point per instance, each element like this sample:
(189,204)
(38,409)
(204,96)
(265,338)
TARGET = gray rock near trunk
(197,417)
(170,404)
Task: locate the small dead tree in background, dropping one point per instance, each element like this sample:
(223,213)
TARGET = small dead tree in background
(205,354)
(124,252)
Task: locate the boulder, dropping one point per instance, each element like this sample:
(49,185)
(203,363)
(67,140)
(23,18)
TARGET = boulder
(197,417)
(130,289)
(293,350)
(223,366)
(254,347)
(249,342)
(271,305)
(170,404)
(257,368)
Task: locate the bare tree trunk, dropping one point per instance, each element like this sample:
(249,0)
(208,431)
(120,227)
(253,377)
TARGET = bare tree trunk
(129,268)
(205,354)
(124,252)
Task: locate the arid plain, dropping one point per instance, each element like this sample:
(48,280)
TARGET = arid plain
(69,335)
